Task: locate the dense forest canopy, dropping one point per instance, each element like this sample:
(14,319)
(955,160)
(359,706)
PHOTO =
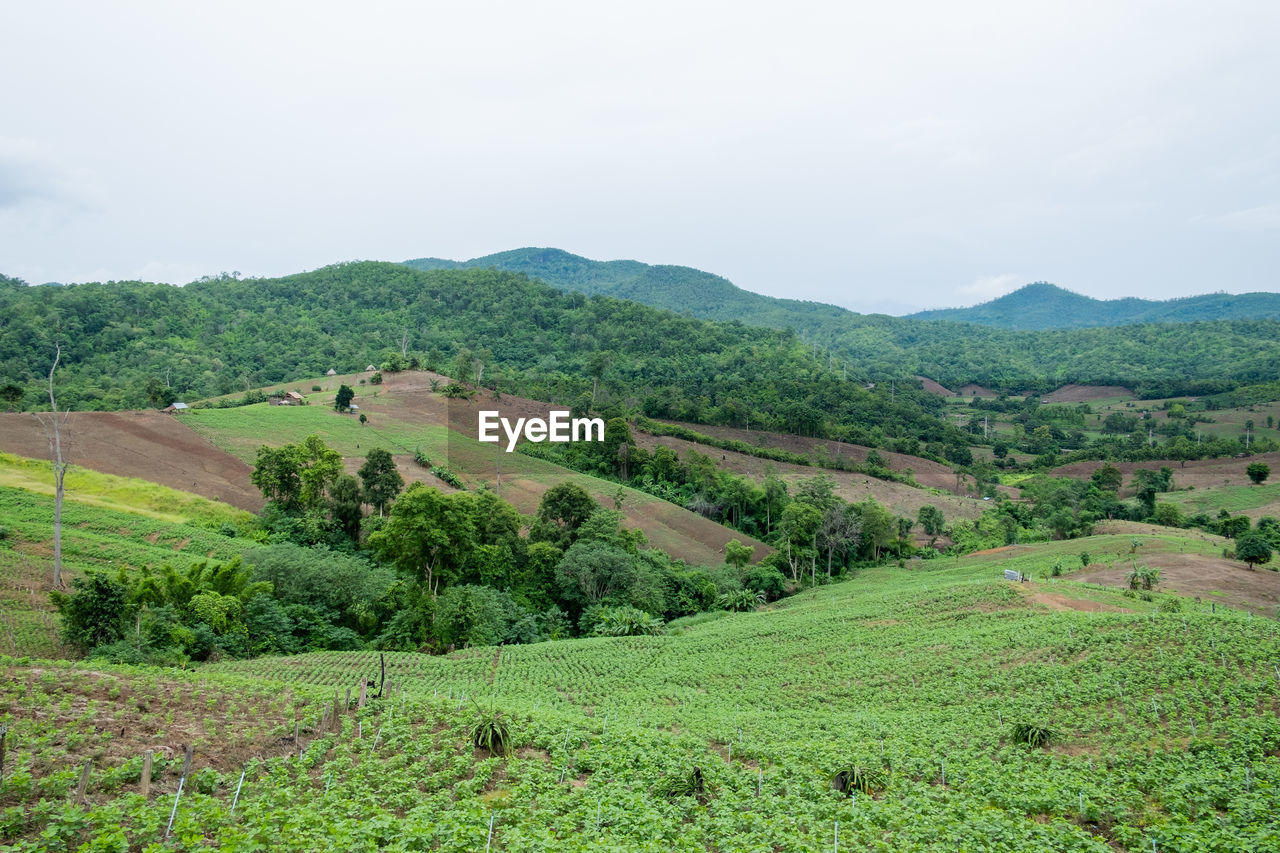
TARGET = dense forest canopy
(227,335)
(1162,352)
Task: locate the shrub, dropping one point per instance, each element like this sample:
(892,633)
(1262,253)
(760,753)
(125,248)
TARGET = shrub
(1032,734)
(1085,558)
(626,622)
(491,732)
(691,784)
(864,780)
(316,388)
(740,600)
(376,379)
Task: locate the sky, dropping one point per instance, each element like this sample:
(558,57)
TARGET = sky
(886,157)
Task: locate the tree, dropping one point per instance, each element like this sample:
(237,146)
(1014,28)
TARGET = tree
(345,504)
(736,554)
(796,532)
(428,534)
(838,532)
(931,520)
(380,479)
(1258,471)
(1108,478)
(562,510)
(296,476)
(159,394)
(595,572)
(54,422)
(96,613)
(11,395)
(597,364)
(342,402)
(1254,549)
(1234,526)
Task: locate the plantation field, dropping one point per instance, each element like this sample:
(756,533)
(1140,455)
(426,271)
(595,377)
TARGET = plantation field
(103,534)
(1164,729)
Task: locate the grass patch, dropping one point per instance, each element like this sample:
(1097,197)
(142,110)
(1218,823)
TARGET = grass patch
(122,494)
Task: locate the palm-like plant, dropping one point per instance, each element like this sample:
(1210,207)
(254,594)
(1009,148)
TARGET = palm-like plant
(492,731)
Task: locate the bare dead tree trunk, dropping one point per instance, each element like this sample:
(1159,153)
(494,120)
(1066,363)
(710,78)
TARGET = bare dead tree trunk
(404,343)
(53,430)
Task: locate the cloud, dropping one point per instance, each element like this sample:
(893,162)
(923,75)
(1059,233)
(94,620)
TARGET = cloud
(1263,218)
(31,177)
(987,287)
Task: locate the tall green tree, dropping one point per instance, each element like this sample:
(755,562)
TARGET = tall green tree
(342,402)
(428,535)
(380,480)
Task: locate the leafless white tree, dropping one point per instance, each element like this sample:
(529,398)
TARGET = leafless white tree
(54,423)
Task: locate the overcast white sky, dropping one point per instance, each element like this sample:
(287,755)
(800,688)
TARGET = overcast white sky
(881,156)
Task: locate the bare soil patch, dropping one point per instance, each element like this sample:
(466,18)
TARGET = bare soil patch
(1054,601)
(1199,473)
(152,446)
(934,387)
(1205,577)
(1086,393)
(408,397)
(975,390)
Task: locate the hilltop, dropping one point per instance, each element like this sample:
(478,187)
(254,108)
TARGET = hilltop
(1041,305)
(1048,347)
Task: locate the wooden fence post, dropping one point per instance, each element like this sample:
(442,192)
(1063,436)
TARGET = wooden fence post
(145,784)
(83,787)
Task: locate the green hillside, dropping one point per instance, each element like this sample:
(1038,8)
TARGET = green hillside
(1041,305)
(1199,345)
(725,735)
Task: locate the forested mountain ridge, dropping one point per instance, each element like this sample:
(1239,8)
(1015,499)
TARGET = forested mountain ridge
(1156,358)
(125,341)
(1041,305)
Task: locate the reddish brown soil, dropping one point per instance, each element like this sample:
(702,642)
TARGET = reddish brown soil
(973,390)
(934,388)
(1054,601)
(926,472)
(1086,393)
(1200,473)
(1208,578)
(408,397)
(149,445)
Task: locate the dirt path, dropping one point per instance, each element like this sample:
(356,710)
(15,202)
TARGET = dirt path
(150,445)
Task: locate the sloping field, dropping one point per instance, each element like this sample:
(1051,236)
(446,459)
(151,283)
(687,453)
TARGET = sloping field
(1087,394)
(926,472)
(935,388)
(404,415)
(899,498)
(94,536)
(1198,473)
(148,445)
(1163,731)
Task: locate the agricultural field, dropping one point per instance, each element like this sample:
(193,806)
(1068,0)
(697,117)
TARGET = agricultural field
(109,522)
(1160,720)
(404,415)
